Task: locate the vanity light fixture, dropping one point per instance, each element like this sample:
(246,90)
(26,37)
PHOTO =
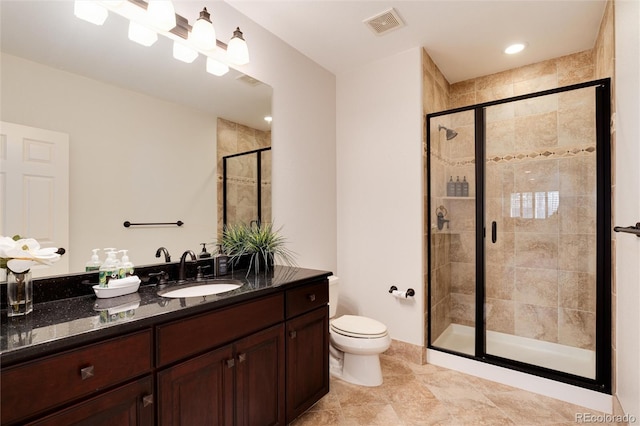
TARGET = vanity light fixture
(216,68)
(237,49)
(162,14)
(184,53)
(202,34)
(141,34)
(90,11)
(515,48)
(148,18)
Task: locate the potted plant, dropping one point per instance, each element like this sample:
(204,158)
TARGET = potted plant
(260,243)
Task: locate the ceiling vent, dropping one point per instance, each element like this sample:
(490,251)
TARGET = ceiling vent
(248,80)
(384,22)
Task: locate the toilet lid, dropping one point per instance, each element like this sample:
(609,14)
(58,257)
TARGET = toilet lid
(357,326)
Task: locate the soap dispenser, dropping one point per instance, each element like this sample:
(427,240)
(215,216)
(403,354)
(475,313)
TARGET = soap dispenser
(126,266)
(93,264)
(109,269)
(458,187)
(221,262)
(465,187)
(204,254)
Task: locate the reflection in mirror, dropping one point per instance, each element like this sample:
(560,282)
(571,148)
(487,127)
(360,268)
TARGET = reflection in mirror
(246,182)
(244,174)
(143,127)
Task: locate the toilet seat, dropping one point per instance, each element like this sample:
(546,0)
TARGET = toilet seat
(358,327)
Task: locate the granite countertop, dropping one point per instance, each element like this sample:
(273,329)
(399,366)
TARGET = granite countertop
(57,324)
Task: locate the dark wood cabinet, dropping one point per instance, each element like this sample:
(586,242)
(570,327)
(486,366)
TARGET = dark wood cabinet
(198,391)
(307,343)
(38,386)
(260,378)
(258,362)
(128,405)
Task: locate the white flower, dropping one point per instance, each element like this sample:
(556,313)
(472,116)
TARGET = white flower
(23,254)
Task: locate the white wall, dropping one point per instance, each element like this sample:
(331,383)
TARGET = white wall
(379,139)
(304,140)
(627,202)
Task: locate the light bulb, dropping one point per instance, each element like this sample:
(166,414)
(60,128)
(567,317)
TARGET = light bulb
(184,53)
(162,14)
(141,34)
(202,34)
(90,11)
(237,50)
(216,67)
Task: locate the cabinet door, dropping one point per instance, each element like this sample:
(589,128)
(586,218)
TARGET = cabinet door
(128,405)
(198,391)
(260,378)
(307,360)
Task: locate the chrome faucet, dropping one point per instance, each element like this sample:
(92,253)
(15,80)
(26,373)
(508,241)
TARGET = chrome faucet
(167,257)
(182,270)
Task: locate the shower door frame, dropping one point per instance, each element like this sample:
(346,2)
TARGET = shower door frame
(603,373)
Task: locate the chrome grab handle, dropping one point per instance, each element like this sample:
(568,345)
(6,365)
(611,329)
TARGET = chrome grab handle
(87,372)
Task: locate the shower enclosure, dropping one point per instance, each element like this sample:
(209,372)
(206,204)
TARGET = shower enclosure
(246,187)
(518,199)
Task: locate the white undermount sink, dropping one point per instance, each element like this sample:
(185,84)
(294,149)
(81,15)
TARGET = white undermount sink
(199,290)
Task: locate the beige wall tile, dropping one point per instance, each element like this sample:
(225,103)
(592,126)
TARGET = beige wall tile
(577,328)
(463,278)
(500,315)
(537,132)
(537,286)
(537,250)
(577,252)
(463,308)
(500,282)
(577,290)
(536,322)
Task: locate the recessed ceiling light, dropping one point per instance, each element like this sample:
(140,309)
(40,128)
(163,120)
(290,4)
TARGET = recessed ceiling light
(268,119)
(515,48)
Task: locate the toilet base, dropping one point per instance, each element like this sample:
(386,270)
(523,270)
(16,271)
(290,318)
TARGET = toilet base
(363,370)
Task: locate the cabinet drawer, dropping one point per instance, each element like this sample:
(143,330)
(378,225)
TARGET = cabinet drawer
(30,388)
(307,298)
(179,339)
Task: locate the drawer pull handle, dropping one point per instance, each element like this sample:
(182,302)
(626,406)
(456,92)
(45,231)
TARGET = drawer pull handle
(87,372)
(293,334)
(242,357)
(231,363)
(147,400)
(311,297)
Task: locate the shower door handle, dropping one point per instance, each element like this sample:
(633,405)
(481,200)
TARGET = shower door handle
(494,232)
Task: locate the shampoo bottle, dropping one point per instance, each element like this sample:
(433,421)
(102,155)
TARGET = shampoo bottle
(93,264)
(465,187)
(458,187)
(109,269)
(451,187)
(126,266)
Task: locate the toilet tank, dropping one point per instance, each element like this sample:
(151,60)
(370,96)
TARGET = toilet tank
(333,295)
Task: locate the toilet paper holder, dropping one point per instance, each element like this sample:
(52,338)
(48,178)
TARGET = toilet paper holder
(394,291)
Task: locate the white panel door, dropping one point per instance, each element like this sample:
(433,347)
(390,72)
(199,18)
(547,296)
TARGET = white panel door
(34,188)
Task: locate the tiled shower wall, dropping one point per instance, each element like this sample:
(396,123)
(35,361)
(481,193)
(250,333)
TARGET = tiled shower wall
(233,138)
(523,296)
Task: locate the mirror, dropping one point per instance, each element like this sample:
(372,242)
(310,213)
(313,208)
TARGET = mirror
(143,127)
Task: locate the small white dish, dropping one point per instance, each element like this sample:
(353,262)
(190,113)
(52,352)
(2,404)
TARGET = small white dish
(106,292)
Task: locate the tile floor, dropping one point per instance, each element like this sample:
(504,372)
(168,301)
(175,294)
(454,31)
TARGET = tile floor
(429,395)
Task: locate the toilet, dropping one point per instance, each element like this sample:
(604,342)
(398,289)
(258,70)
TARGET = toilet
(356,344)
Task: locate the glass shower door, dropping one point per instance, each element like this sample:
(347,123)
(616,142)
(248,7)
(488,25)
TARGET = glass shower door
(452,168)
(540,231)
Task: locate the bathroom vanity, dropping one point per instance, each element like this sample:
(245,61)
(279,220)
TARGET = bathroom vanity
(255,355)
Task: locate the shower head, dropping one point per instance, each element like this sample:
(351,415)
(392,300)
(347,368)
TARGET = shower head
(450,133)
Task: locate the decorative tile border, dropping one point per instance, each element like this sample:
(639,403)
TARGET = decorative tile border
(547,154)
